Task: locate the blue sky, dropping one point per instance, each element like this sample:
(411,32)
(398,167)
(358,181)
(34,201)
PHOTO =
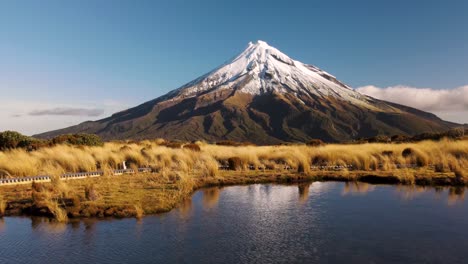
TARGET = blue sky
(115,54)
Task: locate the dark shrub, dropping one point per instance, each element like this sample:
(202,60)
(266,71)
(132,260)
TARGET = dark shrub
(407,152)
(36,144)
(234,143)
(192,147)
(379,139)
(13,139)
(315,143)
(319,160)
(78,139)
(235,163)
(361,141)
(455,133)
(227,143)
(400,138)
(427,136)
(419,158)
(173,144)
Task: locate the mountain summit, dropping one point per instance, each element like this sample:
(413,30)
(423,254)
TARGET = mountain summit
(262,69)
(265,97)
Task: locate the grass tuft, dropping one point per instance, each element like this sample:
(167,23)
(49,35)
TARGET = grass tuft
(3,206)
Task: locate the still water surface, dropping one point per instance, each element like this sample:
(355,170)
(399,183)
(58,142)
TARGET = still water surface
(311,223)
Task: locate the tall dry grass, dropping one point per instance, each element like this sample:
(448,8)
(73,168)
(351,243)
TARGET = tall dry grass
(139,212)
(443,156)
(49,199)
(2,206)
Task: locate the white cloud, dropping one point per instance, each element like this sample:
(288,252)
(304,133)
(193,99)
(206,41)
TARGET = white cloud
(449,104)
(68,111)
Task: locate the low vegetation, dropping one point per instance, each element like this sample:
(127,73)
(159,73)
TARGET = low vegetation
(14,140)
(179,168)
(78,139)
(454,134)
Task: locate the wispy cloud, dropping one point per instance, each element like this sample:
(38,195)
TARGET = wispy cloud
(68,111)
(449,103)
(32,117)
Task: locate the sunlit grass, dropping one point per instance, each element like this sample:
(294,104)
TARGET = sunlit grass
(443,156)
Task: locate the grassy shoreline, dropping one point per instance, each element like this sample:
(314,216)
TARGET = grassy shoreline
(180,170)
(134,196)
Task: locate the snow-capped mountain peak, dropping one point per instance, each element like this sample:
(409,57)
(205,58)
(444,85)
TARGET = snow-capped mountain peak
(261,68)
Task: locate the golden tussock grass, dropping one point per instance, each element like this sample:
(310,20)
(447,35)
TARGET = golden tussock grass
(139,212)
(2,206)
(444,156)
(48,199)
